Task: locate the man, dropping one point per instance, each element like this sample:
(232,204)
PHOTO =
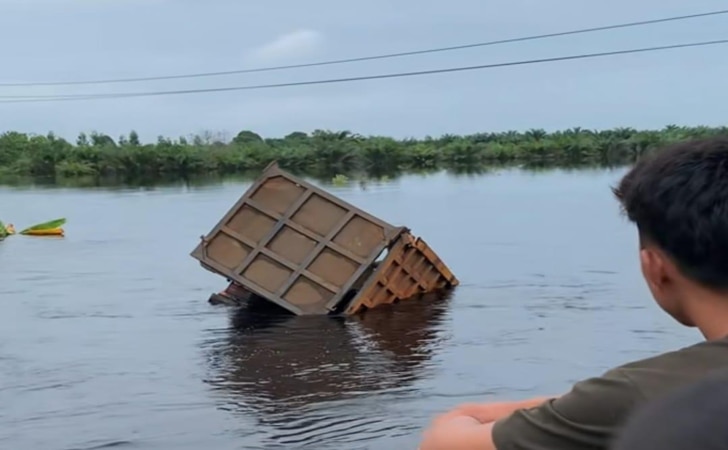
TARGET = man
(692,418)
(678,199)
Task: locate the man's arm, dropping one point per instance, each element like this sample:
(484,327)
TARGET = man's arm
(490,412)
(586,417)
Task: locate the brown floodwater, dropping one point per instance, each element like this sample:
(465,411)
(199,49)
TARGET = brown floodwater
(107,339)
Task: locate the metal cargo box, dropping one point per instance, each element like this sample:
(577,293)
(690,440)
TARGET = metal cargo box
(295,244)
(410,268)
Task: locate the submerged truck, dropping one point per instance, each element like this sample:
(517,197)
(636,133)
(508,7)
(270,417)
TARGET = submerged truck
(310,252)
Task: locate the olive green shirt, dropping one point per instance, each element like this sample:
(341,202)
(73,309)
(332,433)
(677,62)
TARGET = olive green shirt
(591,413)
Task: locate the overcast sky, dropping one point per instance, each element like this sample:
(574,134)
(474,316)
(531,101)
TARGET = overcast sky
(51,40)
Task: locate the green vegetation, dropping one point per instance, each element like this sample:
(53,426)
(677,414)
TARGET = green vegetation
(325,153)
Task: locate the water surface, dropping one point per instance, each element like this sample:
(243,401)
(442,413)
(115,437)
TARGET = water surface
(107,339)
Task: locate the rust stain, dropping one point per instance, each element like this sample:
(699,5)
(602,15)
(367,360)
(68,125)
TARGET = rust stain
(410,268)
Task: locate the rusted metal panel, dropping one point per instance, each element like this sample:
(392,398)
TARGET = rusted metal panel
(295,244)
(410,268)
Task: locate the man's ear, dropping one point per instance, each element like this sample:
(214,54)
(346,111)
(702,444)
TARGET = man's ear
(654,269)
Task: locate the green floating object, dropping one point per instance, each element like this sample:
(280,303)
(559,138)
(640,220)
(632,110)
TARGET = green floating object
(340,180)
(50,225)
(4,231)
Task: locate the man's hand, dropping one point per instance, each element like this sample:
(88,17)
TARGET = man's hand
(482,412)
(469,426)
(449,432)
(491,412)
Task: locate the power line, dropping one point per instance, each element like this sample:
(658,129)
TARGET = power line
(368,58)
(52,98)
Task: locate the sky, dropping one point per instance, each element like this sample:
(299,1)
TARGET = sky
(72,40)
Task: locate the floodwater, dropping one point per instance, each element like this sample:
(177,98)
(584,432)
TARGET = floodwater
(107,339)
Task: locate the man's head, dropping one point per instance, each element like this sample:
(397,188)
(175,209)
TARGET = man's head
(678,198)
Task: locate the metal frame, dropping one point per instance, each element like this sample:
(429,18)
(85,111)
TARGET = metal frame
(391,233)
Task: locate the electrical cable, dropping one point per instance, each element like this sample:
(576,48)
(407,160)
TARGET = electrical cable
(366,58)
(56,98)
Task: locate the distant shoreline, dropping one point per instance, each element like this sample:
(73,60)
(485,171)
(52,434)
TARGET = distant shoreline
(325,154)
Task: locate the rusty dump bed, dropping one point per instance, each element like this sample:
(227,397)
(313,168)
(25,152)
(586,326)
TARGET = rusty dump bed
(295,244)
(410,268)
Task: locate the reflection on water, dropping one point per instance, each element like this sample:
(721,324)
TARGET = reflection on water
(362,179)
(282,368)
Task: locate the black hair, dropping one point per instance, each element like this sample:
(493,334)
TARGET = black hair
(678,198)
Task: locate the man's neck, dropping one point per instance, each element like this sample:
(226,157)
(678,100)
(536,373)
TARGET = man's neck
(709,312)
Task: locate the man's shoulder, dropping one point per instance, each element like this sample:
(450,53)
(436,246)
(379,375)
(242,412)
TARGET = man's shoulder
(657,374)
(588,415)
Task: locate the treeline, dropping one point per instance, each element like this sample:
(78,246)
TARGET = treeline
(327,152)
